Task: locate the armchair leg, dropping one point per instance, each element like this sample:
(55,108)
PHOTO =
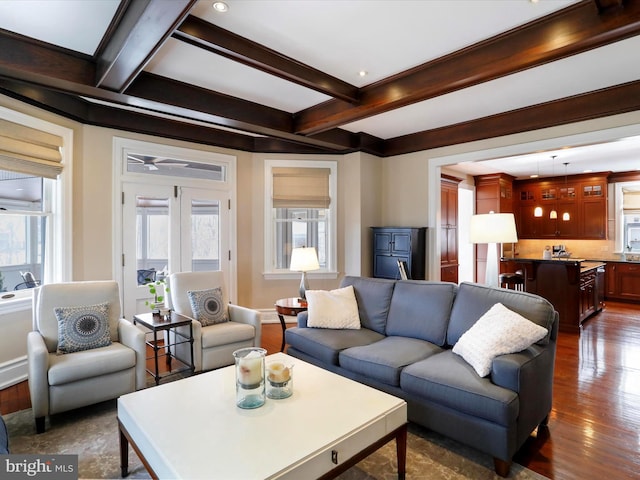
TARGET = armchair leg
(501,467)
(545,421)
(40,425)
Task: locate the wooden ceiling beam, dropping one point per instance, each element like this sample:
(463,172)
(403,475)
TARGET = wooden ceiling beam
(570,31)
(21,55)
(600,103)
(212,38)
(201,104)
(141,31)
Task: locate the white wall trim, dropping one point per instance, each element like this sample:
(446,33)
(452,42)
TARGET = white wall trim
(12,372)
(268,315)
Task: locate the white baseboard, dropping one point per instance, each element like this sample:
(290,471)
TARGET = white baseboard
(268,316)
(13,372)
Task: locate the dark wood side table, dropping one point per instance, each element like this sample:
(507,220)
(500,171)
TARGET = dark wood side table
(157,323)
(291,307)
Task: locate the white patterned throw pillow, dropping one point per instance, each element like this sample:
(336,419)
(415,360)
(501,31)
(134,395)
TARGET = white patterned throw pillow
(497,332)
(208,306)
(333,309)
(82,327)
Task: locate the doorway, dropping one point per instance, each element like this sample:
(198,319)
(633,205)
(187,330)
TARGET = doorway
(174,215)
(170,229)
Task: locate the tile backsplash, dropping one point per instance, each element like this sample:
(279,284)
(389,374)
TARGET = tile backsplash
(589,249)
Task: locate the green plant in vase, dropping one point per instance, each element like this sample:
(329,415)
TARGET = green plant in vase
(159,289)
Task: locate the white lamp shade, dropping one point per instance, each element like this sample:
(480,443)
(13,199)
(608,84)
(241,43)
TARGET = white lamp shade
(493,228)
(537,212)
(304,259)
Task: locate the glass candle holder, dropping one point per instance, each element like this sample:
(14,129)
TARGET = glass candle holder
(250,390)
(279,379)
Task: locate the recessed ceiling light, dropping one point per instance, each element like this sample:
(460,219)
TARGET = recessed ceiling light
(587,171)
(535,175)
(363,73)
(220,6)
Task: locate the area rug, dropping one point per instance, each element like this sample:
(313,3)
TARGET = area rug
(92,434)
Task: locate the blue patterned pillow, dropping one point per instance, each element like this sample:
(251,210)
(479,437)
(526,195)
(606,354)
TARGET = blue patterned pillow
(208,307)
(82,328)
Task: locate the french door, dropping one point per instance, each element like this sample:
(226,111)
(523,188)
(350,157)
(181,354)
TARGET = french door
(169,229)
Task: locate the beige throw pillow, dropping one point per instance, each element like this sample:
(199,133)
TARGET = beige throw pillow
(333,309)
(497,332)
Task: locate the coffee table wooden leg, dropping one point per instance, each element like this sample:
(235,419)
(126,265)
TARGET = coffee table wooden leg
(124,454)
(401,451)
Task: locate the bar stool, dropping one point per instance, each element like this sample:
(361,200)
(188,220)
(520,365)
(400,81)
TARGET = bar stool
(513,281)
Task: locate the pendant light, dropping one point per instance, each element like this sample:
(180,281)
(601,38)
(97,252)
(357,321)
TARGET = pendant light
(565,216)
(537,212)
(553,214)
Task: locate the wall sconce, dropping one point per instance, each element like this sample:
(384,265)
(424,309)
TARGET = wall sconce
(553,215)
(537,212)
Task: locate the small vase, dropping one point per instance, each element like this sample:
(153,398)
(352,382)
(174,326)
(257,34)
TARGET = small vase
(250,390)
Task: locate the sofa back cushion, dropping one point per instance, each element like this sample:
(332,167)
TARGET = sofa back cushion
(421,310)
(374,297)
(474,300)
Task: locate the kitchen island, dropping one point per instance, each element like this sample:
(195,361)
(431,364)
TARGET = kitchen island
(574,286)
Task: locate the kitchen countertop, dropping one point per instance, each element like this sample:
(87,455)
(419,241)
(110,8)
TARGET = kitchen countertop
(584,264)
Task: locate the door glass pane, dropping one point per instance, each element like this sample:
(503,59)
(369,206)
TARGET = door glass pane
(172,167)
(152,237)
(205,235)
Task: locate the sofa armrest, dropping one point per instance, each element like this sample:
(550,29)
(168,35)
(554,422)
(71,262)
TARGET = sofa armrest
(302,319)
(515,369)
(132,337)
(530,374)
(38,364)
(248,316)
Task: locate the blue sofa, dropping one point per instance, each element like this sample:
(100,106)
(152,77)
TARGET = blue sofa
(404,347)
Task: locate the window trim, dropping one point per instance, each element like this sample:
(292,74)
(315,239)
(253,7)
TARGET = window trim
(60,252)
(331,272)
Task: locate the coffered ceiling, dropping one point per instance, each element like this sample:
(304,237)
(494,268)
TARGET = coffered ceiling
(284,76)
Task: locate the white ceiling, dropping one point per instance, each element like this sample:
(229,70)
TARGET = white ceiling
(342,37)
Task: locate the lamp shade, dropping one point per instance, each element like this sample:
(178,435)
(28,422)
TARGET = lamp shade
(493,228)
(304,259)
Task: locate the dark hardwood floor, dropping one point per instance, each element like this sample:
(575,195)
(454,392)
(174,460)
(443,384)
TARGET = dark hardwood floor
(594,427)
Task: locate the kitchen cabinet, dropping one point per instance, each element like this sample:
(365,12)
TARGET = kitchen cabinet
(623,281)
(391,244)
(582,197)
(494,193)
(449,229)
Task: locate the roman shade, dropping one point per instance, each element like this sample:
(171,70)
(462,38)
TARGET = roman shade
(300,187)
(630,201)
(29,150)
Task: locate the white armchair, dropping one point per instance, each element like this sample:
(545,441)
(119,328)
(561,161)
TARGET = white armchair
(61,382)
(213,345)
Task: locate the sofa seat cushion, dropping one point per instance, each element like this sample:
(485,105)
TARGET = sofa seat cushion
(446,379)
(226,333)
(325,344)
(384,360)
(90,363)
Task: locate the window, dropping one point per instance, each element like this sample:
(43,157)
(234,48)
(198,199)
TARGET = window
(301,212)
(31,202)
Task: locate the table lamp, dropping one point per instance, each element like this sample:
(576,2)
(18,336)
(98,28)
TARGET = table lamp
(304,260)
(493,228)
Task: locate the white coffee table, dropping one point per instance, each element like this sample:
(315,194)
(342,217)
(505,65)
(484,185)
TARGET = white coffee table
(192,429)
